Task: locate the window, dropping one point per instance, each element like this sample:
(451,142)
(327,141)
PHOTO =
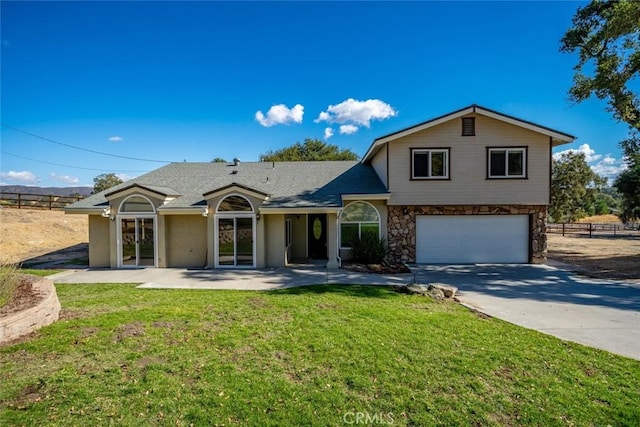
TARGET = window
(468,126)
(507,162)
(136,204)
(429,163)
(358,218)
(235,204)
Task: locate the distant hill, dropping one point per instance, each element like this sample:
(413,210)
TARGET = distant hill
(56,191)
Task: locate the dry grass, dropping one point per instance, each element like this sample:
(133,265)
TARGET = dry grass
(9,280)
(26,234)
(601,219)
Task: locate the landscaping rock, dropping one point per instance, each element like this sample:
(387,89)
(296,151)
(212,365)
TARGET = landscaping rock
(437,291)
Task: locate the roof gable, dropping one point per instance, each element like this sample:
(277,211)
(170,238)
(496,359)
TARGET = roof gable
(556,136)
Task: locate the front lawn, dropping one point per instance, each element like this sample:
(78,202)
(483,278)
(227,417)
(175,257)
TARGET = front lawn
(325,355)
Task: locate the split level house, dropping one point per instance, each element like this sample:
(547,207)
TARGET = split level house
(471,186)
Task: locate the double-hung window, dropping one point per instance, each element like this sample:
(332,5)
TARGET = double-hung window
(429,163)
(507,162)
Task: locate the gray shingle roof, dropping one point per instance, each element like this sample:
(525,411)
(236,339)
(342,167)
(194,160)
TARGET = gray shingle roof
(289,184)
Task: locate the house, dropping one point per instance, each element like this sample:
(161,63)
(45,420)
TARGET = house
(471,186)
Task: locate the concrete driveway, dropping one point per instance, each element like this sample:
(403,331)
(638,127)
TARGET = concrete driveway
(598,313)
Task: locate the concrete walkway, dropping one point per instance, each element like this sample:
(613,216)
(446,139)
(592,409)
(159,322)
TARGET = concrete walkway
(598,313)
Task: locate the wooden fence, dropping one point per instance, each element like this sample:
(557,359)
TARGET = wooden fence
(583,228)
(36,201)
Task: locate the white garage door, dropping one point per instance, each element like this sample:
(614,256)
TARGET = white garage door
(469,239)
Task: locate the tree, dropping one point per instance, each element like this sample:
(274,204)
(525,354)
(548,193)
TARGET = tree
(218,160)
(311,149)
(104,181)
(628,182)
(574,187)
(606,35)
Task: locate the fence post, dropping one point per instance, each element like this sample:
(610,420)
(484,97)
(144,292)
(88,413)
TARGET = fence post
(563,229)
(50,200)
(19,200)
(590,230)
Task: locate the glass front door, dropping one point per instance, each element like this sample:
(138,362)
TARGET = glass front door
(138,247)
(235,242)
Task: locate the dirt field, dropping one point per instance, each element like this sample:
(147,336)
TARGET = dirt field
(28,234)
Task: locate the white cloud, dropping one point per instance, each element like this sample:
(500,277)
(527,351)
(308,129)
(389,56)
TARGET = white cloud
(24,177)
(67,179)
(124,176)
(356,112)
(348,129)
(280,115)
(328,133)
(608,167)
(115,138)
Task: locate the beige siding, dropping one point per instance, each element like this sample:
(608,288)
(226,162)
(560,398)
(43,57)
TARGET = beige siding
(186,240)
(99,241)
(468,166)
(379,164)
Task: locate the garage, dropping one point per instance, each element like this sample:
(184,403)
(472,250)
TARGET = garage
(470,239)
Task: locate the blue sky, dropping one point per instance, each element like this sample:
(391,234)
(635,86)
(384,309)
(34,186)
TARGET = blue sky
(174,81)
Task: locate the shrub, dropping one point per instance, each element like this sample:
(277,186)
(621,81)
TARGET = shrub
(9,280)
(369,248)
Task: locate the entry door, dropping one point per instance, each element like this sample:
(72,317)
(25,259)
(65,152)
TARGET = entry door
(138,243)
(235,242)
(317,236)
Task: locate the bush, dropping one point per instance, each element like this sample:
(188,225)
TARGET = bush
(9,280)
(369,248)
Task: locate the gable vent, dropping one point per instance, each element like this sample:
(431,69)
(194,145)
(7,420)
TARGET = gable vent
(468,126)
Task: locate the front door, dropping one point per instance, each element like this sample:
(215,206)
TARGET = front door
(317,236)
(138,243)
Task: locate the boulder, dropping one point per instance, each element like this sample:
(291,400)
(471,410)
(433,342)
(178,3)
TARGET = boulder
(448,290)
(437,291)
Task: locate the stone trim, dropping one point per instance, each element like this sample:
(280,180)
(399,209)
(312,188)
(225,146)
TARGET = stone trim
(401,226)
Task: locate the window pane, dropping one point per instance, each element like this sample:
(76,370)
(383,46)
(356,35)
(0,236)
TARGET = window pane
(369,228)
(235,204)
(358,211)
(244,241)
(438,159)
(516,162)
(348,232)
(226,244)
(497,163)
(421,164)
(136,204)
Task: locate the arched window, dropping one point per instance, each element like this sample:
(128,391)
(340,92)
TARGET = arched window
(356,219)
(137,204)
(235,204)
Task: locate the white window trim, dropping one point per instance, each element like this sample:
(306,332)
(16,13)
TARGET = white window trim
(430,151)
(340,222)
(136,213)
(234,214)
(119,219)
(507,150)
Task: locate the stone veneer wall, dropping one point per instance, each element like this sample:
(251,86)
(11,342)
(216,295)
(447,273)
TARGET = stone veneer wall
(402,226)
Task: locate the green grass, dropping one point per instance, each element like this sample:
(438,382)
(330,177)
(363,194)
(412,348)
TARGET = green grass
(305,356)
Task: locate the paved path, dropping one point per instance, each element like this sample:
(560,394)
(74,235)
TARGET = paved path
(599,313)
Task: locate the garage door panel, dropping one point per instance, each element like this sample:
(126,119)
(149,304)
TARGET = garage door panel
(472,239)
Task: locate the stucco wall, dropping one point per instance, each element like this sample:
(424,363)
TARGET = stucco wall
(186,240)
(99,242)
(274,240)
(468,183)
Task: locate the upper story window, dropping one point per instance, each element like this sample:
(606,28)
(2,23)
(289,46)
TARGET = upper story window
(429,163)
(506,162)
(468,126)
(137,204)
